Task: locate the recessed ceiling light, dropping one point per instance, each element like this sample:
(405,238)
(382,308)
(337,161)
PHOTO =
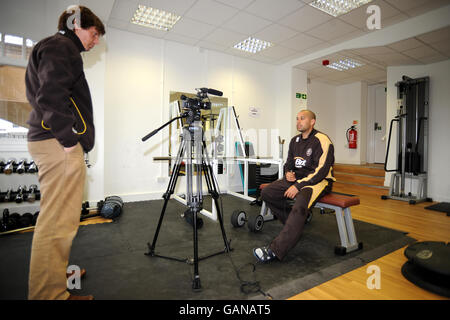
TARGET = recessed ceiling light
(345,64)
(253,45)
(154,18)
(338,7)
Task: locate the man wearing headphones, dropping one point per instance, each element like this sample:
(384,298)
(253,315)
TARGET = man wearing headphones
(61,131)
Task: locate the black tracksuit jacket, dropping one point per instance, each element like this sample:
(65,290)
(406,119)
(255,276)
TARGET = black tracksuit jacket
(311,159)
(57,90)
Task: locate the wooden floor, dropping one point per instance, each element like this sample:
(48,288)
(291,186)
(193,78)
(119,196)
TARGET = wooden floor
(420,223)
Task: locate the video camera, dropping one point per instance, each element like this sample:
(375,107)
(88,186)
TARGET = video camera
(194,106)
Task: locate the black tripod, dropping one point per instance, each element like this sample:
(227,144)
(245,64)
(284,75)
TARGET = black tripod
(192,145)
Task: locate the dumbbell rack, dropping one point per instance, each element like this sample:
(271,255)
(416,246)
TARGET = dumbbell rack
(15,146)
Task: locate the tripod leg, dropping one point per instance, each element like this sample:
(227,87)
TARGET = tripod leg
(167,194)
(212,189)
(196,282)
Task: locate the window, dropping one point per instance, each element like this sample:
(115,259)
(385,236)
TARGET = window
(13,46)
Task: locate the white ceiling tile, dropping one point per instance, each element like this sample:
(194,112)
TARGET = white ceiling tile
(432,59)
(278,52)
(352,35)
(101,8)
(373,50)
(442,34)
(427,6)
(265,59)
(146,31)
(405,5)
(404,45)
(359,16)
(225,37)
(192,28)
(240,4)
(210,12)
(318,47)
(307,66)
(393,20)
(443,47)
(394,59)
(116,23)
(421,52)
(301,42)
(181,39)
(305,18)
(363,70)
(275,33)
(273,10)
(246,23)
(332,29)
(175,6)
(211,46)
(124,9)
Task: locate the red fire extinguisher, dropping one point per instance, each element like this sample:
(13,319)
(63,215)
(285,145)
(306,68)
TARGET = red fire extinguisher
(352,137)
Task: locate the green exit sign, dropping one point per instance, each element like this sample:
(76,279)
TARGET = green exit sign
(300,95)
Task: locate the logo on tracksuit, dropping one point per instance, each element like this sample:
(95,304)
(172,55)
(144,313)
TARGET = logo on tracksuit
(299,162)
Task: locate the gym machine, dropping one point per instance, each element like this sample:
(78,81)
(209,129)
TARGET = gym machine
(412,141)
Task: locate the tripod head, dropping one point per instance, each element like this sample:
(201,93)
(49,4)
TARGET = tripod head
(192,108)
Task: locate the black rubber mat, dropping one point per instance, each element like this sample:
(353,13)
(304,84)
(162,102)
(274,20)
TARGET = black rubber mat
(117,267)
(442,207)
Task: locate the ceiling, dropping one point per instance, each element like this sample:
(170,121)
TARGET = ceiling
(295,28)
(424,49)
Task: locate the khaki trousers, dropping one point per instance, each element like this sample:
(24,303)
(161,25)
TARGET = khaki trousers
(61,178)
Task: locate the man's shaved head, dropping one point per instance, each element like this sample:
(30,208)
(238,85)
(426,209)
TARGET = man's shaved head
(309,114)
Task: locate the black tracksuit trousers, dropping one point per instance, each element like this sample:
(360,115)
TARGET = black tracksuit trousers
(292,219)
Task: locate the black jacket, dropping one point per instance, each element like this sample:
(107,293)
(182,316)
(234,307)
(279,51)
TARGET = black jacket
(311,159)
(58,92)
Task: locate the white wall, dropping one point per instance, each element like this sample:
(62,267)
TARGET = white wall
(322,101)
(299,85)
(439,119)
(140,73)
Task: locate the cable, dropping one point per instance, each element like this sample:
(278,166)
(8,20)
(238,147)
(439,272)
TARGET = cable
(246,287)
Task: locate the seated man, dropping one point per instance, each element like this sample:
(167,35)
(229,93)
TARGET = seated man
(308,176)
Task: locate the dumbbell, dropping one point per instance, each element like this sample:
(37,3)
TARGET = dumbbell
(20,194)
(31,196)
(85,210)
(3,223)
(21,166)
(112,207)
(35,217)
(25,220)
(8,195)
(32,167)
(10,221)
(2,164)
(9,167)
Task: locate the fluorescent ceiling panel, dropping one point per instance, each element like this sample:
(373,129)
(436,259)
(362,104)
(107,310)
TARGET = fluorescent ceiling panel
(345,64)
(253,45)
(338,7)
(154,18)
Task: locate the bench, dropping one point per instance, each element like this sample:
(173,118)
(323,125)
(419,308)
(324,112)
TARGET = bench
(341,205)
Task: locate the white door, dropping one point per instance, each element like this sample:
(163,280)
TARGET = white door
(379,125)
